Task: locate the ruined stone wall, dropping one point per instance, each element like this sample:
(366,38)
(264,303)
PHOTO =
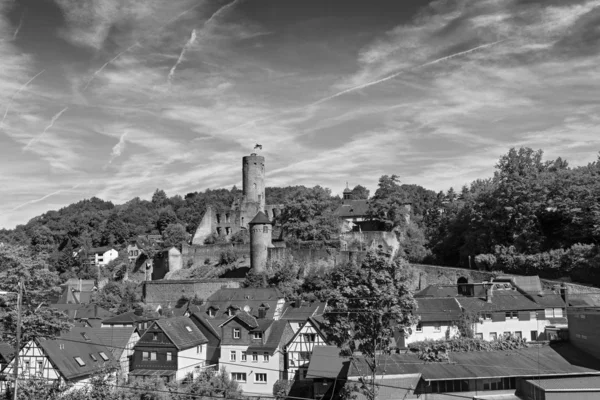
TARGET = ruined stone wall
(197,254)
(168,292)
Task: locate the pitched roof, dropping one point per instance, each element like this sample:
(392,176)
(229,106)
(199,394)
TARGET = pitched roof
(531,361)
(326,362)
(244,317)
(303,312)
(211,324)
(501,301)
(100,250)
(247,299)
(182,332)
(529,284)
(260,218)
(274,338)
(116,339)
(549,299)
(86,284)
(75,345)
(395,388)
(352,208)
(83,311)
(129,317)
(563,384)
(438,309)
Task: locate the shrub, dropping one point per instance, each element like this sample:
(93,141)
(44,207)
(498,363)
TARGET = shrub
(227,257)
(485,261)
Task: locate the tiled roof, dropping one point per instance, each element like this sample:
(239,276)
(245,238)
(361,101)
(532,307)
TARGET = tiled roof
(549,299)
(100,250)
(182,332)
(116,339)
(75,345)
(83,311)
(86,284)
(129,317)
(501,301)
(211,324)
(260,218)
(302,313)
(246,318)
(438,291)
(326,362)
(247,299)
(238,294)
(438,309)
(352,208)
(274,339)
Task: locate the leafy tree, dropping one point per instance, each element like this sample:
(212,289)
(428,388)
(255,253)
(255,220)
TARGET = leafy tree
(159,198)
(40,287)
(360,193)
(174,235)
(166,217)
(388,203)
(366,305)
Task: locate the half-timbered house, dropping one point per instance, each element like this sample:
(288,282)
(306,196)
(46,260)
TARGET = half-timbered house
(298,311)
(172,349)
(73,357)
(300,348)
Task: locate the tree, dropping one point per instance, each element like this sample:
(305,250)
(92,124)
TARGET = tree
(174,235)
(166,217)
(360,193)
(367,305)
(388,203)
(40,287)
(159,198)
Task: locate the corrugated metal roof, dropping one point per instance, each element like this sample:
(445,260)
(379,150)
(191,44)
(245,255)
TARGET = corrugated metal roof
(74,345)
(327,363)
(182,332)
(438,309)
(585,382)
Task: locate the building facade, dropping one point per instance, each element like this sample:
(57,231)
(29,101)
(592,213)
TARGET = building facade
(300,348)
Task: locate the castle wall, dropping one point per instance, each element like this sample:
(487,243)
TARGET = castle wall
(200,253)
(168,292)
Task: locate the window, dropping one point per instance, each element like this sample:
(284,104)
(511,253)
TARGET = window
(260,378)
(262,312)
(104,356)
(227,231)
(93,357)
(479,336)
(254,356)
(85,336)
(199,349)
(265,357)
(304,356)
(265,229)
(152,356)
(310,337)
(145,356)
(558,313)
(532,315)
(534,335)
(238,377)
(211,312)
(549,312)
(218,221)
(219,231)
(78,359)
(419,327)
(244,356)
(155,336)
(256,335)
(512,314)
(27,365)
(232,355)
(237,333)
(188,328)
(227,218)
(437,328)
(506,335)
(169,356)
(493,336)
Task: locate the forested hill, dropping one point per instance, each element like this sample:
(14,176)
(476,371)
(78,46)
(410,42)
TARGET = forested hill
(533,216)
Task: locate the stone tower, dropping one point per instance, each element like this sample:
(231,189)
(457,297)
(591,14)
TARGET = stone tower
(253,180)
(260,241)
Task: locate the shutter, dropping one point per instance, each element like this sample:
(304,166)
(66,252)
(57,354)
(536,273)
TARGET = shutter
(524,316)
(498,316)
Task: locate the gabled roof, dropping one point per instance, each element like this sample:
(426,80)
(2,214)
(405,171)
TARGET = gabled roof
(247,299)
(260,219)
(100,250)
(501,301)
(529,284)
(315,323)
(182,332)
(83,311)
(211,324)
(549,299)
(116,339)
(565,384)
(438,291)
(243,317)
(326,362)
(306,310)
(352,208)
(438,309)
(75,345)
(275,336)
(129,317)
(84,284)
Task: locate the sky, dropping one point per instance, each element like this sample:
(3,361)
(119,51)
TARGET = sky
(115,98)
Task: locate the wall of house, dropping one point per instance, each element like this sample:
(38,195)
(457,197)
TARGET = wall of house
(29,358)
(584,325)
(296,363)
(272,368)
(128,352)
(430,332)
(512,325)
(168,292)
(191,361)
(212,347)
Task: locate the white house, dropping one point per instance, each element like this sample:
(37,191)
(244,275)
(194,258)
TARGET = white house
(300,348)
(73,358)
(100,256)
(252,351)
(438,319)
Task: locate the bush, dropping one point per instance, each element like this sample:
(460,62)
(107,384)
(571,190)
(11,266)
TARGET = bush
(485,261)
(438,350)
(227,257)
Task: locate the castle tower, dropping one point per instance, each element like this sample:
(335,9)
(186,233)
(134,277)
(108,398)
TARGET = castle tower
(253,180)
(260,241)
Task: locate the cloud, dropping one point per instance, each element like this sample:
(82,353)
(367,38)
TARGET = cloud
(37,138)
(118,148)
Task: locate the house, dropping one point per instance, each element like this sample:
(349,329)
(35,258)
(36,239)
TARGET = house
(300,348)
(264,303)
(73,357)
(76,291)
(121,342)
(438,319)
(101,256)
(252,351)
(166,260)
(171,348)
(134,319)
(133,251)
(298,311)
(584,328)
(91,313)
(580,388)
(209,326)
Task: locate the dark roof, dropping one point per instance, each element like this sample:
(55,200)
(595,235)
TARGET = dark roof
(395,388)
(116,339)
(247,299)
(352,208)
(129,317)
(438,309)
(562,384)
(529,284)
(211,324)
(274,338)
(326,362)
(240,294)
(6,352)
(97,250)
(549,299)
(86,284)
(302,313)
(438,291)
(177,330)
(260,218)
(246,318)
(153,372)
(509,300)
(83,311)
(544,360)
(75,345)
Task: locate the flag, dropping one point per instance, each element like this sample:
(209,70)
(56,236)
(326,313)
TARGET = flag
(258,146)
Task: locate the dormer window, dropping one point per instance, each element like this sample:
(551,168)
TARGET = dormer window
(262,312)
(212,312)
(257,335)
(103,355)
(79,361)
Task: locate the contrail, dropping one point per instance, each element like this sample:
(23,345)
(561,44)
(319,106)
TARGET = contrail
(15,95)
(19,26)
(188,44)
(41,198)
(389,77)
(220,11)
(106,64)
(36,138)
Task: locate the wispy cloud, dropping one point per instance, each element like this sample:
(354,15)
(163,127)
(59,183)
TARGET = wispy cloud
(118,148)
(41,198)
(37,138)
(187,45)
(16,94)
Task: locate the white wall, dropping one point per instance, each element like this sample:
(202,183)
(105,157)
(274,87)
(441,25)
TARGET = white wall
(511,325)
(251,368)
(429,332)
(190,361)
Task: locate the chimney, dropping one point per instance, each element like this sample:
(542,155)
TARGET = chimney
(298,302)
(564,293)
(489,292)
